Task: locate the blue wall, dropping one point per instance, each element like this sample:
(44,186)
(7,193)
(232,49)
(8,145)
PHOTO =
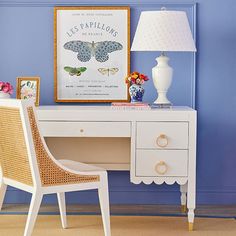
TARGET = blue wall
(31,53)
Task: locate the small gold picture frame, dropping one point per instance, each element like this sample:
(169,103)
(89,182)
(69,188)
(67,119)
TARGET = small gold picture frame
(28,87)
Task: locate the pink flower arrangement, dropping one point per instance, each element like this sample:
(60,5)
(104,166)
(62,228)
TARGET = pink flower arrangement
(6,87)
(136,78)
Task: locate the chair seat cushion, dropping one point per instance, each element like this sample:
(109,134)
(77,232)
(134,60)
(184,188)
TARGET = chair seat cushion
(78,166)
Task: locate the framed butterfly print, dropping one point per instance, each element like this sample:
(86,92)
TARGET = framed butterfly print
(91,54)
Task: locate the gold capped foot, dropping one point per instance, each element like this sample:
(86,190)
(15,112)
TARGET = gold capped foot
(183,208)
(190,226)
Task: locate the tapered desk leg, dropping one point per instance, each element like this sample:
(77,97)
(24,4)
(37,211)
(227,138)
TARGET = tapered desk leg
(183,197)
(191,188)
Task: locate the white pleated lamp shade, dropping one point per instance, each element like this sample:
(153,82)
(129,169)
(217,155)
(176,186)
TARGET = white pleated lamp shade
(163,31)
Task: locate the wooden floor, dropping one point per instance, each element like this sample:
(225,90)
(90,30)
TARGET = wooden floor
(91,225)
(130,220)
(228,211)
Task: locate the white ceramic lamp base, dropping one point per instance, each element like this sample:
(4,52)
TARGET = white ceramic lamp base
(162,78)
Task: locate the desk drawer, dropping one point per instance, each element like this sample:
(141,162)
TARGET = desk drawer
(85,129)
(169,163)
(162,135)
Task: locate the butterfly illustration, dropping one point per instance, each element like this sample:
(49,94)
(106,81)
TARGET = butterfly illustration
(108,71)
(87,50)
(75,70)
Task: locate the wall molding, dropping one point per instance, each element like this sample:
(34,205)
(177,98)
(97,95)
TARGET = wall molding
(29,3)
(194,57)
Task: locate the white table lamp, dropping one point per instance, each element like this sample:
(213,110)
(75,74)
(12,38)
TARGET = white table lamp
(163,31)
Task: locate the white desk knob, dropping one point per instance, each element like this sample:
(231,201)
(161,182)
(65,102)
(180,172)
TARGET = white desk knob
(161,168)
(162,141)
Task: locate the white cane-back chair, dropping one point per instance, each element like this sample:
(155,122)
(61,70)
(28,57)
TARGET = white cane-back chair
(27,164)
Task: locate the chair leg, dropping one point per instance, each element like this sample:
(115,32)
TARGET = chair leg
(3,188)
(62,208)
(104,204)
(33,212)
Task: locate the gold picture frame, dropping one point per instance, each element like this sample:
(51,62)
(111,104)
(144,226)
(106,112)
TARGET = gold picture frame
(28,87)
(93,77)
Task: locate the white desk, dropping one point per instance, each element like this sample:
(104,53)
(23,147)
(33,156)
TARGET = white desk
(162,141)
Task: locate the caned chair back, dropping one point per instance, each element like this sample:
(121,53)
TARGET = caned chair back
(14,150)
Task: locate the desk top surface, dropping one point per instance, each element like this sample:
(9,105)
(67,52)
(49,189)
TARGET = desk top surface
(109,113)
(110,108)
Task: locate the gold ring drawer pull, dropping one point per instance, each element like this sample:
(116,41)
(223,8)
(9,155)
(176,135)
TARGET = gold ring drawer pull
(162,141)
(161,168)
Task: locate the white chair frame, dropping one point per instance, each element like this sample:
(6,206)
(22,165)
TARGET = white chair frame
(38,190)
